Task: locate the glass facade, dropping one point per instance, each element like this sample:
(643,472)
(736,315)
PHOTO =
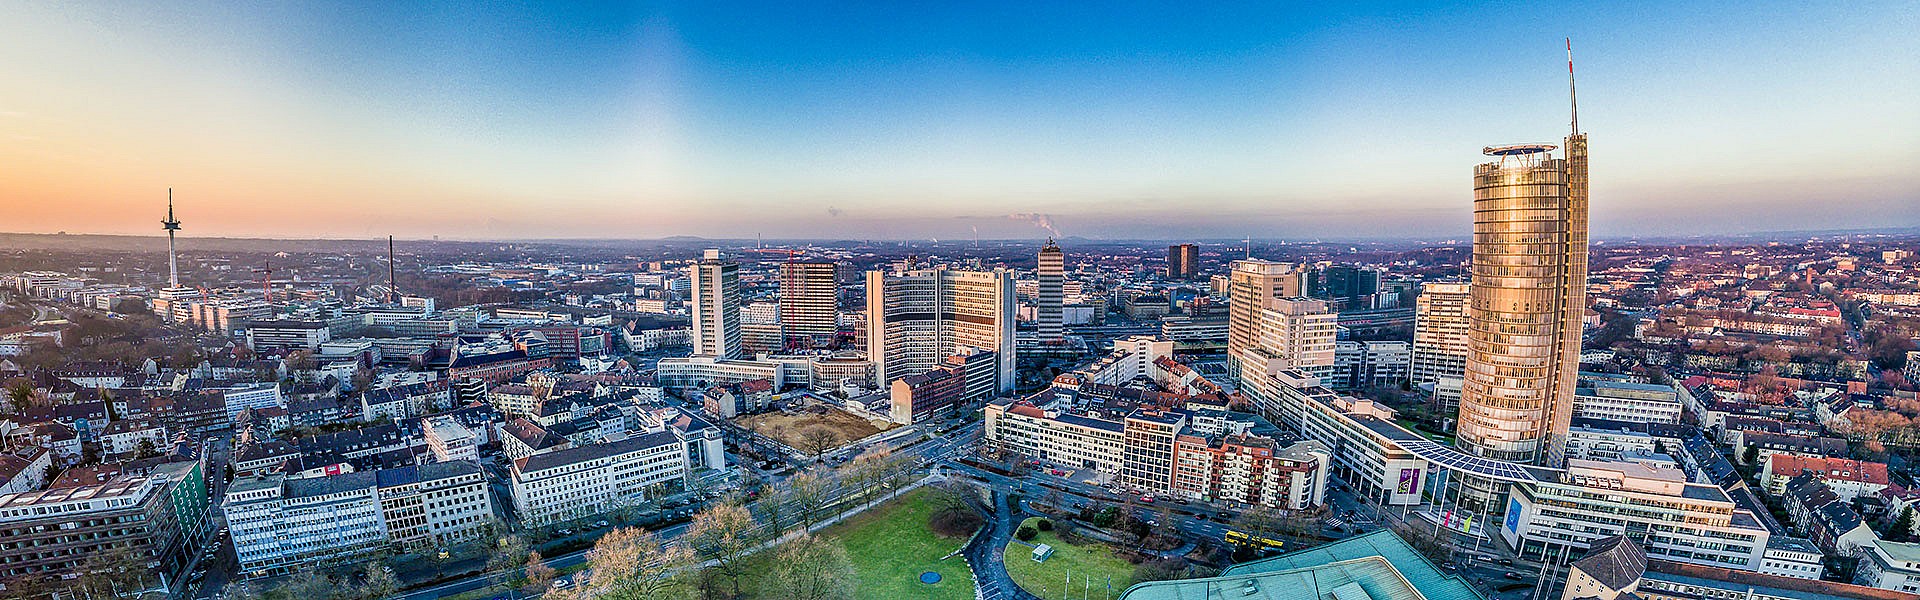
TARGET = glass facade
(1525,303)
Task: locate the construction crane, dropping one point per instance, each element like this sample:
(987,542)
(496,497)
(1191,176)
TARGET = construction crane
(266,280)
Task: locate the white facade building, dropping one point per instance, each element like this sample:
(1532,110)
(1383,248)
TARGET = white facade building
(715,306)
(1439,332)
(586,480)
(449,440)
(1645,500)
(917,319)
(1624,401)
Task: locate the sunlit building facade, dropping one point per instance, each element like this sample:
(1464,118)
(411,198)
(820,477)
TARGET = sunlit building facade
(1526,300)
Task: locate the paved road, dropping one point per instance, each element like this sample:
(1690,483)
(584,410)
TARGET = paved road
(984,553)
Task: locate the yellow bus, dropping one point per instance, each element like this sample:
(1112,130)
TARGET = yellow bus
(1243,539)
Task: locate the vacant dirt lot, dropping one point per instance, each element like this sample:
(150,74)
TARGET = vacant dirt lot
(791,429)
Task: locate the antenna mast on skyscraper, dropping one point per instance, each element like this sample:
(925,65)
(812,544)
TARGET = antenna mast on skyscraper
(1572,95)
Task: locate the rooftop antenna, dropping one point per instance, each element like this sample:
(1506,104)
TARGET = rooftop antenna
(1572,94)
(393,284)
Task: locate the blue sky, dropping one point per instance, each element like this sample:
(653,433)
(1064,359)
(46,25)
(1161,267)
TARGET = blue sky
(923,120)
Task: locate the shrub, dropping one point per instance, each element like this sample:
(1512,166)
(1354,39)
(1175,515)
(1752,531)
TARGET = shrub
(1043,524)
(955,523)
(1026,533)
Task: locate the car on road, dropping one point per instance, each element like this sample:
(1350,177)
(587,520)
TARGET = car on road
(1514,576)
(601,523)
(565,532)
(1147,499)
(561,584)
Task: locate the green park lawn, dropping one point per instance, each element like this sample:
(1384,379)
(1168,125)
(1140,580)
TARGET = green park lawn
(889,547)
(1090,562)
(892,544)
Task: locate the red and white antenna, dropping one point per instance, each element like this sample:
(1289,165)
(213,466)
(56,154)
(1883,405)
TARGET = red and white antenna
(1572,95)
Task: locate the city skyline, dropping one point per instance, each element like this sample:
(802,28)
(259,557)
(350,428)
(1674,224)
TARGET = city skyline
(1129,124)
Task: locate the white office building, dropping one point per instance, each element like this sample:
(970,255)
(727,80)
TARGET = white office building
(279,524)
(260,395)
(715,306)
(1062,439)
(917,319)
(1647,500)
(582,481)
(1626,401)
(449,440)
(1439,332)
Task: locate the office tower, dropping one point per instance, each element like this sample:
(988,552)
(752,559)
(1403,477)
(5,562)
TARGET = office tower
(808,297)
(916,319)
(716,306)
(1051,273)
(1183,261)
(171,225)
(1527,297)
(1296,333)
(1440,332)
(1348,285)
(1252,287)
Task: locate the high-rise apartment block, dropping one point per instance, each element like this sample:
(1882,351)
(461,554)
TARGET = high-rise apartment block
(715,306)
(808,301)
(1527,298)
(1440,332)
(1183,261)
(916,319)
(1052,273)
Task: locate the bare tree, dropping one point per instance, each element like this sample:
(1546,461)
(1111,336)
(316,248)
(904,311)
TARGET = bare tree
(723,534)
(379,583)
(1165,523)
(1260,521)
(112,572)
(818,440)
(631,563)
(807,495)
(813,568)
(775,511)
(895,470)
(1056,502)
(306,585)
(538,573)
(509,552)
